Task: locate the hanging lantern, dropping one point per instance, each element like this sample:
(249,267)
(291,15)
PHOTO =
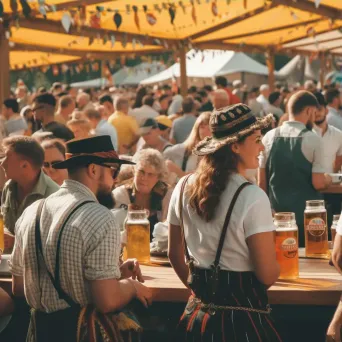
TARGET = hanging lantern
(117,20)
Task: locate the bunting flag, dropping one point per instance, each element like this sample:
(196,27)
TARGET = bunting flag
(151,19)
(136,17)
(172,12)
(117,20)
(214,9)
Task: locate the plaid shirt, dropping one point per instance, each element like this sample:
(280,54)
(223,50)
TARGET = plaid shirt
(90,247)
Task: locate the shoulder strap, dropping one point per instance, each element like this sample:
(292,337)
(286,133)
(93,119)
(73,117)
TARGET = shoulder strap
(180,207)
(185,159)
(39,250)
(226,222)
(302,132)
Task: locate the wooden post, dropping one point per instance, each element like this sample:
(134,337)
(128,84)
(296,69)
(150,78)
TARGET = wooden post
(322,69)
(4,68)
(183,76)
(270,65)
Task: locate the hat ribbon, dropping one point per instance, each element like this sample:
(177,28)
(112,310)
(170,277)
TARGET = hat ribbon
(105,155)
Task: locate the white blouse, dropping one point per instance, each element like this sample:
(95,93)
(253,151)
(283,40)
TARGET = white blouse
(251,215)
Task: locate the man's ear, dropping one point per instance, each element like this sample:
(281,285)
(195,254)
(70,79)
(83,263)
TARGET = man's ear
(236,148)
(92,171)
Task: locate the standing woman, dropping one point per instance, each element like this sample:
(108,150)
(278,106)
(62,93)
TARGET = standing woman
(229,235)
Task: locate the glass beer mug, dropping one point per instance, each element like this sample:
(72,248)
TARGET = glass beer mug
(316,230)
(287,245)
(333,227)
(138,234)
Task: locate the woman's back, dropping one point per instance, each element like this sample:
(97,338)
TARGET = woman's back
(251,215)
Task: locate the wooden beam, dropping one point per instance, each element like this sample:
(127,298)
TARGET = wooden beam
(270,66)
(322,69)
(4,69)
(229,46)
(230,22)
(76,3)
(183,75)
(318,42)
(250,34)
(85,31)
(77,52)
(309,6)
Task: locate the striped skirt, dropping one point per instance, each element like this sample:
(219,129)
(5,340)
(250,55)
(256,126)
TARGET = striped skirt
(237,289)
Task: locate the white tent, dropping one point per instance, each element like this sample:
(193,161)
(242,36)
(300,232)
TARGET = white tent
(211,63)
(96,83)
(141,72)
(299,69)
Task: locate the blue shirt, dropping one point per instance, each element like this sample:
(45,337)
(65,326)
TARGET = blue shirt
(105,128)
(182,127)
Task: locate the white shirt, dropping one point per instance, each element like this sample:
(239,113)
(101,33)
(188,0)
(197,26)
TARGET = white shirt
(334,117)
(263,101)
(251,215)
(143,113)
(332,145)
(312,145)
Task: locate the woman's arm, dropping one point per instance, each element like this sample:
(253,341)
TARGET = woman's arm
(176,253)
(263,256)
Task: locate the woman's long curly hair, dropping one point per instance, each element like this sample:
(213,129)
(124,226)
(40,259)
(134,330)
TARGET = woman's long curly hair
(211,178)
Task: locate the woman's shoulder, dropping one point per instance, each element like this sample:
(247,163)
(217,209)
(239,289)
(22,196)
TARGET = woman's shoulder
(174,149)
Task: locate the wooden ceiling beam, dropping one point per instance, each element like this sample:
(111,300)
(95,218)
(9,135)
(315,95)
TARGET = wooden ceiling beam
(77,52)
(76,3)
(85,31)
(250,34)
(230,22)
(227,46)
(309,6)
(318,42)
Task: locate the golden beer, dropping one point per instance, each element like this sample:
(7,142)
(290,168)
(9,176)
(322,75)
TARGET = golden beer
(316,231)
(287,245)
(138,235)
(333,227)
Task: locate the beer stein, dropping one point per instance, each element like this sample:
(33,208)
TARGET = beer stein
(316,230)
(138,234)
(287,245)
(333,228)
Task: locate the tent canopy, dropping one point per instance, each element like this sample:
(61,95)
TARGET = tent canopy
(155,25)
(211,63)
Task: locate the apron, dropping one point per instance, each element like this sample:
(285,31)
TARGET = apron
(289,176)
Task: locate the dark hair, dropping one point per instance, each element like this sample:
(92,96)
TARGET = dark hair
(56,85)
(27,147)
(254,90)
(301,100)
(192,90)
(54,143)
(106,98)
(208,88)
(12,104)
(331,94)
(138,99)
(188,105)
(65,101)
(203,94)
(221,81)
(166,87)
(211,178)
(41,90)
(45,98)
(148,100)
(68,88)
(320,99)
(273,97)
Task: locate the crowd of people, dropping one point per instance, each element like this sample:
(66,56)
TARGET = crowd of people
(187,160)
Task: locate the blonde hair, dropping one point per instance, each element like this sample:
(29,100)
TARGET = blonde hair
(153,158)
(83,124)
(194,137)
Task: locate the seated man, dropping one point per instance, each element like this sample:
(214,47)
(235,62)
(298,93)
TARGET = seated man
(26,183)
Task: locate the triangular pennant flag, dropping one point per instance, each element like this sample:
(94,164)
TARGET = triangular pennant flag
(66,22)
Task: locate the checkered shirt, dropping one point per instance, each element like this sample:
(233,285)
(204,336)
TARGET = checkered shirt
(89,250)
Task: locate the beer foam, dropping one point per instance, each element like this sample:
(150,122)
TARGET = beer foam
(137,222)
(290,229)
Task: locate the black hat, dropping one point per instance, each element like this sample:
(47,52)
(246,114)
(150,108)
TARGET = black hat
(95,150)
(228,125)
(147,125)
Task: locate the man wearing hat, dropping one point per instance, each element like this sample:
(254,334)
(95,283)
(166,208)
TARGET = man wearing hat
(151,136)
(66,253)
(165,125)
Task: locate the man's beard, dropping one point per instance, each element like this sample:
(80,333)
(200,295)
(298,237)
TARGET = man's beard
(309,125)
(319,122)
(105,198)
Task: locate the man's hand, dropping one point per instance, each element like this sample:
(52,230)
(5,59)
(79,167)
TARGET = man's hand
(131,269)
(334,332)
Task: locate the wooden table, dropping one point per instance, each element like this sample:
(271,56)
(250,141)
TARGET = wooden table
(319,284)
